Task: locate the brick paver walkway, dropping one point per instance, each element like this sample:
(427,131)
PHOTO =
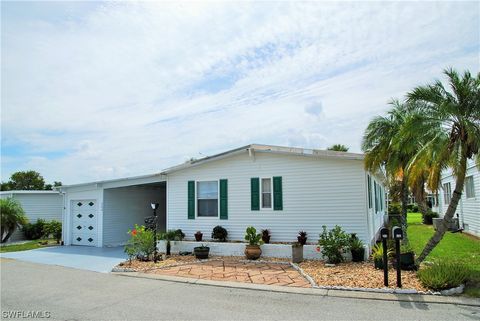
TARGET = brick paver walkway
(249,272)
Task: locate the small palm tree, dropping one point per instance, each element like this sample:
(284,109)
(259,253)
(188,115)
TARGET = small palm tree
(12,217)
(448,122)
(384,147)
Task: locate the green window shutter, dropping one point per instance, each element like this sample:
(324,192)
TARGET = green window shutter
(277,193)
(191,200)
(223,199)
(255,193)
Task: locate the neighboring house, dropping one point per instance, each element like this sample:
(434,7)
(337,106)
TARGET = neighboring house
(47,205)
(468,209)
(281,189)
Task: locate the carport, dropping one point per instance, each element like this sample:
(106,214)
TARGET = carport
(101,213)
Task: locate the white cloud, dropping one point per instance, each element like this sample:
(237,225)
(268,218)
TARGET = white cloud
(129,88)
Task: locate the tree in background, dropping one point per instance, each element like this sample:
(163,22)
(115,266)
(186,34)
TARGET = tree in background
(338,148)
(383,147)
(12,217)
(27,180)
(448,120)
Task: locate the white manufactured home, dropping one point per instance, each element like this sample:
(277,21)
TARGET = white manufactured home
(468,209)
(282,189)
(47,205)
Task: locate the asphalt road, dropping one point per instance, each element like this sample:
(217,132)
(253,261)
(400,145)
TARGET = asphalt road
(70,294)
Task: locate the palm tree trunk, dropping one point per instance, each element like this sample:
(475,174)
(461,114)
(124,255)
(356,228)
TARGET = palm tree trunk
(419,193)
(447,218)
(404,199)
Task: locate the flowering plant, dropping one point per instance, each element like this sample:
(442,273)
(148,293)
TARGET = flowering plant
(141,243)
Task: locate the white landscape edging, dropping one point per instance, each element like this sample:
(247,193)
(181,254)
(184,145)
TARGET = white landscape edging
(238,249)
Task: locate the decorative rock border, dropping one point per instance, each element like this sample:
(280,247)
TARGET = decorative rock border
(305,275)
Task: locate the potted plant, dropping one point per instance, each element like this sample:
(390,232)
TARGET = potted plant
(168,236)
(302,237)
(252,249)
(198,236)
(297,252)
(407,257)
(266,236)
(201,252)
(219,233)
(377,255)
(357,249)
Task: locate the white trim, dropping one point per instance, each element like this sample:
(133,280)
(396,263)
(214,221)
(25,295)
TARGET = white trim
(271,194)
(218,199)
(28,192)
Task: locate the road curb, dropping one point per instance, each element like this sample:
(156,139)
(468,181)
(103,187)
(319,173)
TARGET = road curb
(413,298)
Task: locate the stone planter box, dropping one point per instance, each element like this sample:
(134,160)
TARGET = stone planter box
(237,249)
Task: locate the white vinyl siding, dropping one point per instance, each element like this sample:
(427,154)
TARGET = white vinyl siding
(316,192)
(46,206)
(468,207)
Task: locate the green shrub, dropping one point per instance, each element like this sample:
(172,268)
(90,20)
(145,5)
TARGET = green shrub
(141,243)
(34,231)
(252,237)
(53,228)
(12,217)
(179,235)
(428,217)
(219,233)
(443,275)
(412,208)
(394,209)
(334,244)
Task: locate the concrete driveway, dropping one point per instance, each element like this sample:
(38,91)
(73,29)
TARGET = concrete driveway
(98,259)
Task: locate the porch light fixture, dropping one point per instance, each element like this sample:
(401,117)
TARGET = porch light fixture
(154,207)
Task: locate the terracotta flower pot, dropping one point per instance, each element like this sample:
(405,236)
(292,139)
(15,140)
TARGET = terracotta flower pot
(253,252)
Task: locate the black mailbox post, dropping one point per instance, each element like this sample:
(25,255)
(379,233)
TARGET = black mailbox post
(384,235)
(397,235)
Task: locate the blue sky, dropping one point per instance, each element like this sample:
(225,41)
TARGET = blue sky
(94,90)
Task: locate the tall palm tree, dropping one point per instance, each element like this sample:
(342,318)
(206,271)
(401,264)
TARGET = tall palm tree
(448,122)
(384,147)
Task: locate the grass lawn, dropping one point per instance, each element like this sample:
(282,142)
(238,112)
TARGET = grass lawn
(454,246)
(457,246)
(31,245)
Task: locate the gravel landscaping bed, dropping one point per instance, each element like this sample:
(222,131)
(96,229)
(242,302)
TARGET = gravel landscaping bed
(141,266)
(357,275)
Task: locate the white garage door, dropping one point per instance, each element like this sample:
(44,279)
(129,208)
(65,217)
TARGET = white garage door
(84,222)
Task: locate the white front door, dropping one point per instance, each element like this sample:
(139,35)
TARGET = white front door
(84,222)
